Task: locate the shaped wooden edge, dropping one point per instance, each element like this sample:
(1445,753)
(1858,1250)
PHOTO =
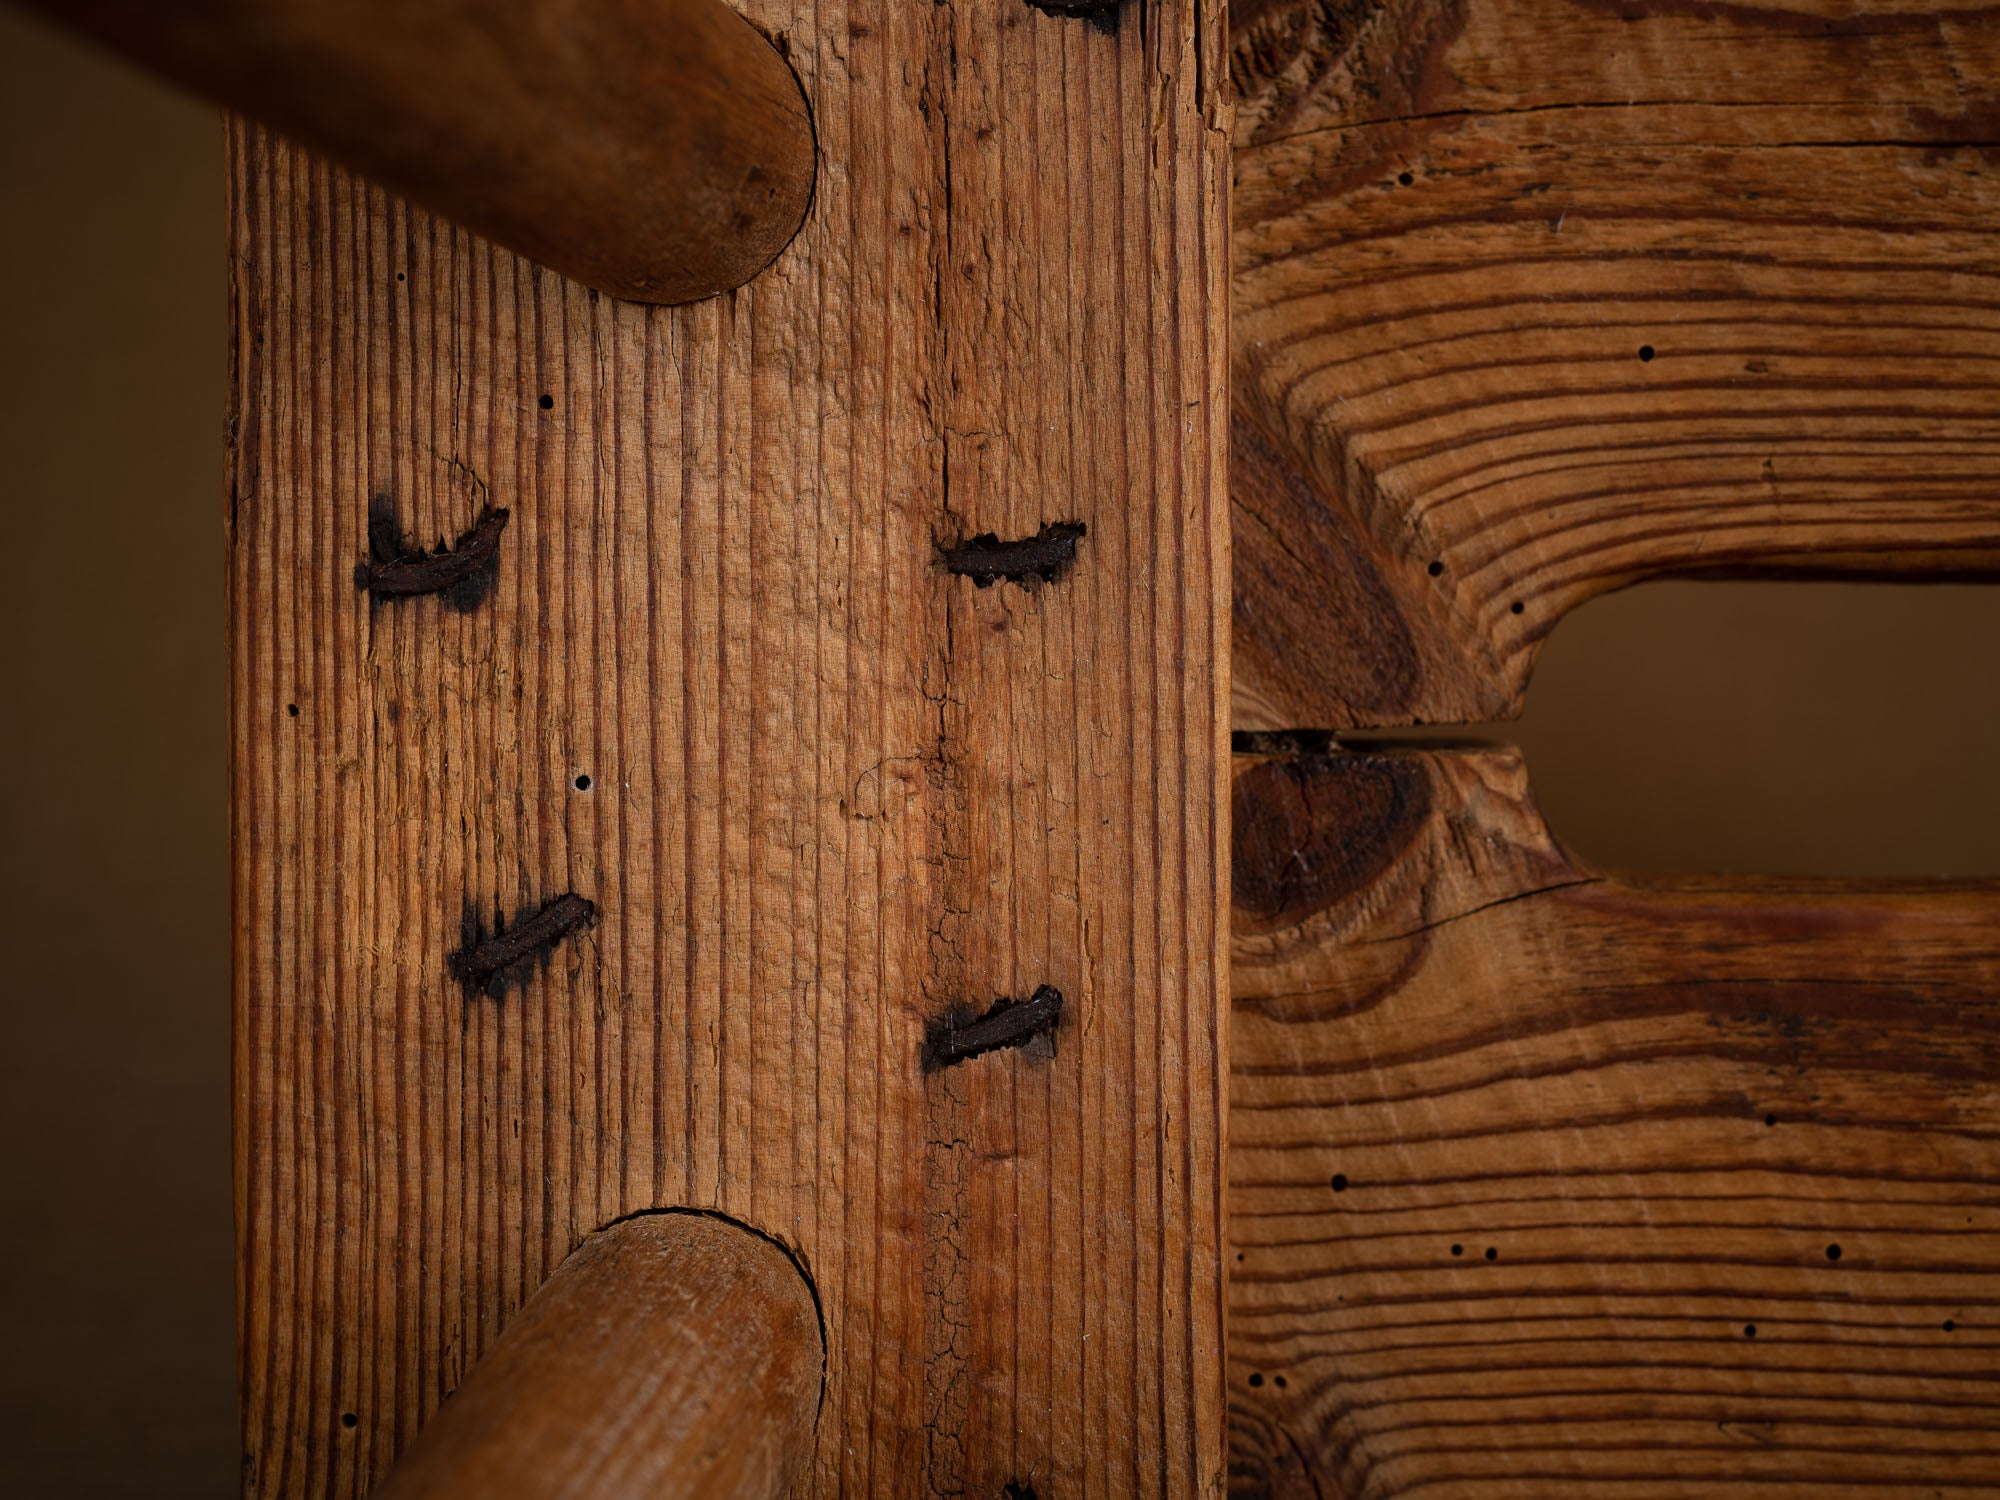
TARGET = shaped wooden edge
(1546,1180)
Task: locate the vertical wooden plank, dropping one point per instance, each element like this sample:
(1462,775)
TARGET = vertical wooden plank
(835,792)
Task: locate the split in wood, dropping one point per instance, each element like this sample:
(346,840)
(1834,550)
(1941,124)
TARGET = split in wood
(487,963)
(985,559)
(397,568)
(1103,14)
(1008,1023)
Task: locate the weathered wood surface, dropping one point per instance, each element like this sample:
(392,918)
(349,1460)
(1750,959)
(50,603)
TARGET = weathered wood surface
(1550,1182)
(657,149)
(836,794)
(671,1356)
(1535,298)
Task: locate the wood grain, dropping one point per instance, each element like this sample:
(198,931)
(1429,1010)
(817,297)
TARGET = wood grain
(1547,1181)
(834,791)
(1538,298)
(674,1355)
(655,149)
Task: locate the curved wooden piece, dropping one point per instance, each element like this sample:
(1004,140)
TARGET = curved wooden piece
(1546,1181)
(659,150)
(674,1354)
(1537,298)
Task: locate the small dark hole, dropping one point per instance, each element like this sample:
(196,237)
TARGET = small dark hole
(548,402)
(1645,352)
(1340,1182)
(1239,1255)
(400,276)
(1770,1119)
(292,709)
(583,782)
(1518,607)
(1256,1379)
(1435,569)
(1491,1253)
(1279,1380)
(1833,1252)
(1749,1330)
(1458,1249)
(1949,1325)
(348,1419)
(1405,178)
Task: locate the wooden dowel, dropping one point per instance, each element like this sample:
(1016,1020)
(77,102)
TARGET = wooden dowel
(659,150)
(674,1354)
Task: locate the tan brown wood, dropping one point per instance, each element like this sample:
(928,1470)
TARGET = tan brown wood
(837,795)
(1535,298)
(653,149)
(672,1355)
(1546,1181)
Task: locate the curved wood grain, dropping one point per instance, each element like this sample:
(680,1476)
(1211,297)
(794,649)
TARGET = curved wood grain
(1546,1181)
(1539,298)
(674,1356)
(659,150)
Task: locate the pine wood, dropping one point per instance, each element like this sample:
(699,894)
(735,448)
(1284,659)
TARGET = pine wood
(673,1355)
(1521,1151)
(836,792)
(655,149)
(1459,227)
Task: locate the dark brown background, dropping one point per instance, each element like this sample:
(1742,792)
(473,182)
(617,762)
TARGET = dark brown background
(1795,728)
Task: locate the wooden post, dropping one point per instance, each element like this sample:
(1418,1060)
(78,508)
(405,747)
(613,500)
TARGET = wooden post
(659,150)
(673,1354)
(851,657)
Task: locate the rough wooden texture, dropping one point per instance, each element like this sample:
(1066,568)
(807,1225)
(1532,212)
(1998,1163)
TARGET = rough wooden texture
(1535,298)
(670,1357)
(835,792)
(657,149)
(1522,1154)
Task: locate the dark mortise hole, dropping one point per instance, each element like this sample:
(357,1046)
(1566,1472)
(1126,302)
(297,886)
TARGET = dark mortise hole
(1041,558)
(1771,727)
(348,1419)
(583,782)
(399,567)
(1406,178)
(1646,352)
(1340,1182)
(489,963)
(960,1035)
(547,403)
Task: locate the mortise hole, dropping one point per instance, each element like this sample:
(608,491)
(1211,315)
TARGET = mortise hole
(1833,1252)
(401,277)
(1256,1379)
(1406,178)
(1517,607)
(1434,569)
(583,782)
(1492,1253)
(547,403)
(1340,1182)
(292,710)
(1278,1381)
(1646,353)
(1749,1330)
(1458,1249)
(1770,1119)
(1772,728)
(1949,1325)
(348,1419)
